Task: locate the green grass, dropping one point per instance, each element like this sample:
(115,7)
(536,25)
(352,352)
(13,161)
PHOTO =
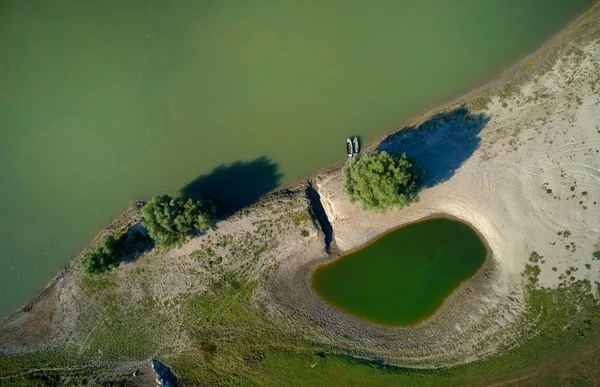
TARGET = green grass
(300,217)
(557,322)
(562,328)
(481,103)
(506,91)
(535,257)
(233,342)
(532,272)
(97,284)
(229,335)
(32,369)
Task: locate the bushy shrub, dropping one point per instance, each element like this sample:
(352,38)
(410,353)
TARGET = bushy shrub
(379,181)
(104,256)
(169,220)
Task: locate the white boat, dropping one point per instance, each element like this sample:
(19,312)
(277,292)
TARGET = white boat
(356,146)
(349,147)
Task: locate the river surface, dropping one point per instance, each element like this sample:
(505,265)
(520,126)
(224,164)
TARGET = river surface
(404,276)
(102,102)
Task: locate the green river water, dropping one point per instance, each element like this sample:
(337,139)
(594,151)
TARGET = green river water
(102,102)
(404,276)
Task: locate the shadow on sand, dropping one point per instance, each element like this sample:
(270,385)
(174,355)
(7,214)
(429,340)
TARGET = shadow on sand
(234,186)
(318,214)
(134,242)
(441,144)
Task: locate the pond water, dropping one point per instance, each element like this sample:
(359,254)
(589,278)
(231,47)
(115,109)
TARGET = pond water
(106,101)
(404,276)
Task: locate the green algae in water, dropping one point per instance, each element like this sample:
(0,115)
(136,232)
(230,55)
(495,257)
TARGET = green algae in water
(404,276)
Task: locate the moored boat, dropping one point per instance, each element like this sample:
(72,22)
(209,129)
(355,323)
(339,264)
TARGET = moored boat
(349,147)
(356,146)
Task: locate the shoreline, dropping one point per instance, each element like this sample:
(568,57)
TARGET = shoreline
(126,218)
(549,50)
(489,85)
(292,292)
(532,144)
(512,226)
(488,256)
(486,86)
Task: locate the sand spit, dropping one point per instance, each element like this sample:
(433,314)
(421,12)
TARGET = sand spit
(523,169)
(525,173)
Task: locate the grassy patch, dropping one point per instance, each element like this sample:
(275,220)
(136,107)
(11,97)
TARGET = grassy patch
(300,217)
(231,341)
(59,367)
(558,322)
(506,91)
(481,103)
(120,328)
(532,273)
(256,352)
(101,283)
(230,335)
(534,257)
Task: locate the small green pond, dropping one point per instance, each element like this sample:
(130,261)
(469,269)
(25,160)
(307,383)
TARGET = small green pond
(404,276)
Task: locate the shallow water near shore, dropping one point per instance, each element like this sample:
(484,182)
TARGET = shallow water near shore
(105,102)
(404,276)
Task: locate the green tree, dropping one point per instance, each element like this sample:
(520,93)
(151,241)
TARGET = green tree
(168,220)
(380,181)
(104,256)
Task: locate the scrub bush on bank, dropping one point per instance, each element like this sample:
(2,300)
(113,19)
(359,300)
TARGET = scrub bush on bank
(380,181)
(169,220)
(102,257)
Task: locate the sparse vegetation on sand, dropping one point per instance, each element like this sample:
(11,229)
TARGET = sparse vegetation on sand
(233,342)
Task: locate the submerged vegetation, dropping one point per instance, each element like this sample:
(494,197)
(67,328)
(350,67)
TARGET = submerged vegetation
(169,220)
(380,181)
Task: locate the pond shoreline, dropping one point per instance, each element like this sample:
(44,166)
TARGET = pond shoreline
(511,226)
(483,266)
(447,293)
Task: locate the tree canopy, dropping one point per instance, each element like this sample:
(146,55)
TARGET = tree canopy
(104,256)
(168,220)
(380,181)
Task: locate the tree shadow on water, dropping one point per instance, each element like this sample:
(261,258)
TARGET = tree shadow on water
(234,186)
(441,144)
